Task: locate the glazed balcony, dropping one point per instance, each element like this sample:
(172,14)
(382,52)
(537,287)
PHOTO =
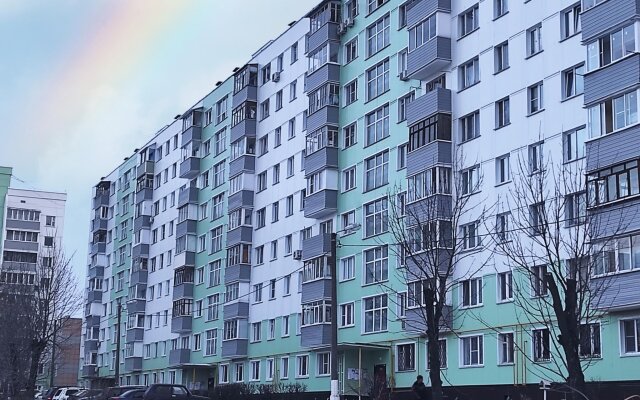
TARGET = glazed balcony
(192,133)
(146,168)
(188,196)
(321,204)
(327,157)
(430,58)
(179,357)
(433,102)
(315,335)
(190,168)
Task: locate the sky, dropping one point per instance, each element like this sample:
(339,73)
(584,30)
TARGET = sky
(84,82)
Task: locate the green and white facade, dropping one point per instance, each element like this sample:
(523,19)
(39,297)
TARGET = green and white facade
(215,234)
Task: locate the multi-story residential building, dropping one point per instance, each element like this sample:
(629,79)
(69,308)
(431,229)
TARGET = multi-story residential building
(224,226)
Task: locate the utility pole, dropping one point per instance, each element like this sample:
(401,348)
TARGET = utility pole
(333,260)
(52,367)
(118,339)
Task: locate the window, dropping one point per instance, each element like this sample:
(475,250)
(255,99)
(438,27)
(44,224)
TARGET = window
(472,292)
(402,105)
(502,113)
(351,92)
(272,285)
(422,33)
(255,370)
(402,156)
(376,171)
(613,114)
(570,21)
(590,340)
(611,47)
(216,239)
(221,110)
(256,329)
(535,158)
(470,180)
(327,53)
(284,368)
(239,375)
(351,50)
(347,315)
(261,218)
(265,74)
(468,21)
(537,218)
(534,40)
(402,61)
(472,351)
(220,140)
(614,183)
(376,217)
(469,73)
(505,348)
(212,307)
(470,236)
(376,267)
(501,56)
(505,286)
(378,35)
(470,126)
(293,90)
(288,244)
(575,208)
(350,135)
(317,312)
(289,210)
(442,344)
(534,97)
(431,129)
(275,211)
(264,109)
(538,280)
(218,174)
(573,144)
(321,138)
(231,292)
(503,172)
(278,100)
(270,369)
(630,336)
(348,219)
(302,363)
(378,79)
(347,268)
(323,366)
(375,4)
(292,128)
(224,373)
(262,181)
(406,357)
(375,313)
(211,342)
(500,8)
(327,95)
(541,345)
(294,52)
(349,179)
(50,220)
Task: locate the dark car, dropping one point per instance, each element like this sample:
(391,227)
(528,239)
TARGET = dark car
(87,394)
(170,392)
(135,394)
(116,391)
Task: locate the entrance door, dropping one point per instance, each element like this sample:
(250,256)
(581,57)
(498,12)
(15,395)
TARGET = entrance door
(380,386)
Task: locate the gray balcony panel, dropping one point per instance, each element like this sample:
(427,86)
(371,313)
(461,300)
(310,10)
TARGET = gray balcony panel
(96,248)
(420,10)
(139,276)
(136,306)
(133,364)
(244,163)
(415,320)
(316,246)
(613,149)
(140,250)
(436,101)
(27,225)
(189,258)
(244,128)
(93,320)
(99,224)
(181,324)
(145,168)
(190,168)
(186,227)
(328,31)
(607,15)
(188,196)
(236,348)
(321,159)
(247,93)
(617,218)
(194,133)
(101,199)
(242,234)
(238,272)
(179,357)
(436,206)
(89,371)
(243,198)
(236,310)
(429,155)
(94,296)
(141,222)
(315,335)
(22,246)
(319,289)
(441,257)
(617,292)
(328,115)
(184,290)
(91,345)
(321,204)
(326,73)
(611,80)
(429,58)
(144,194)
(21,266)
(134,335)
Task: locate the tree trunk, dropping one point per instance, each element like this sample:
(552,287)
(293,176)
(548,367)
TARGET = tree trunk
(37,350)
(434,313)
(434,369)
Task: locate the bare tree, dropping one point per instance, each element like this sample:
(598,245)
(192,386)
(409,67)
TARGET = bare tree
(434,229)
(36,301)
(542,230)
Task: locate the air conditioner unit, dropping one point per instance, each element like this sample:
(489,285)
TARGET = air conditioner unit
(341,29)
(349,22)
(297,255)
(404,76)
(275,77)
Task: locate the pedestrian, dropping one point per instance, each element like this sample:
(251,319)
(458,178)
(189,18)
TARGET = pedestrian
(419,389)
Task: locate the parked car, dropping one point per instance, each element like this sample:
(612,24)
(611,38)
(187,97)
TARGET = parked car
(48,395)
(116,391)
(135,394)
(170,392)
(65,392)
(86,394)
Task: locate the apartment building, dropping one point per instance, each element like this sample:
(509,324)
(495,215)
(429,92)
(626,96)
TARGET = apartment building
(218,236)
